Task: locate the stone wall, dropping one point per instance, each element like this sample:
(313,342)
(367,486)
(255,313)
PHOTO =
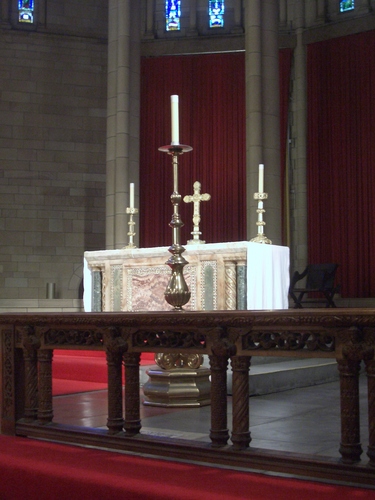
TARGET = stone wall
(52,155)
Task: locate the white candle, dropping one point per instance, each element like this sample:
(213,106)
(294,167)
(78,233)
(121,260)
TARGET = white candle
(174,120)
(261,179)
(131,201)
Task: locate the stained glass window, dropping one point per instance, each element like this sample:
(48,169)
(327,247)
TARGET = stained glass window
(216,14)
(172,15)
(346,5)
(26,11)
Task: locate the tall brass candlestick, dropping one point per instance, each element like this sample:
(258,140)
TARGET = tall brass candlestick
(177,293)
(261,237)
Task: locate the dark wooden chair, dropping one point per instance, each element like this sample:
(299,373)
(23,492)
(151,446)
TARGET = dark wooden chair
(320,279)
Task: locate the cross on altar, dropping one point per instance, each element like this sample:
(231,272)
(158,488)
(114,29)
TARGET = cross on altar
(196,198)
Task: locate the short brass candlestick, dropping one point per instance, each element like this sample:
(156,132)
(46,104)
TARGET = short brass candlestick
(177,293)
(261,237)
(131,224)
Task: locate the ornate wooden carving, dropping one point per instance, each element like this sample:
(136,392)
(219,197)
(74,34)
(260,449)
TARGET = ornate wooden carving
(352,350)
(132,424)
(115,346)
(222,349)
(369,359)
(45,409)
(169,338)
(219,432)
(288,341)
(370,370)
(240,400)
(84,337)
(31,344)
(7,379)
(347,335)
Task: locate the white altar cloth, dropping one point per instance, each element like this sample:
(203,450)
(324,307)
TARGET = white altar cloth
(267,276)
(267,272)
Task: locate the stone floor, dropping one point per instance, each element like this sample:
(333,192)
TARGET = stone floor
(305,420)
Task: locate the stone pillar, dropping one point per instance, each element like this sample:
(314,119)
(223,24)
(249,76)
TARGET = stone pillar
(149,19)
(321,10)
(262,113)
(4,11)
(299,179)
(283,17)
(193,31)
(122,117)
(237,6)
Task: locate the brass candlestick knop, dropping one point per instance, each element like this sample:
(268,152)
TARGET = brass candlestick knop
(261,237)
(177,293)
(131,224)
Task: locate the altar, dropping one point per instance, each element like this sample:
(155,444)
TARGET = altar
(235,275)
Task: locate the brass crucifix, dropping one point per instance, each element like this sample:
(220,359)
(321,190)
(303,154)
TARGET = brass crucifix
(196,198)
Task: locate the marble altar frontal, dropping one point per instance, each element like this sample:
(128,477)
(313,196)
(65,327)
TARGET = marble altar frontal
(236,275)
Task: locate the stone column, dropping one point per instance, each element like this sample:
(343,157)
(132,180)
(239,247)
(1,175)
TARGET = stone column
(271,118)
(299,179)
(149,19)
(321,10)
(4,11)
(283,17)
(193,31)
(122,117)
(262,113)
(237,7)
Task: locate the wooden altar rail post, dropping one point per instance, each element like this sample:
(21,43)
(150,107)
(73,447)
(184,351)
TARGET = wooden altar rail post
(27,343)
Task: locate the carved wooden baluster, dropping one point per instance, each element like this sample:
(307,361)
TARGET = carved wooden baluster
(114,346)
(370,370)
(11,375)
(45,408)
(30,345)
(132,424)
(222,350)
(240,388)
(350,447)
(219,433)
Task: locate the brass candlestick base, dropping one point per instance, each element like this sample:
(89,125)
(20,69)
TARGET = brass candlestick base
(177,293)
(131,224)
(261,237)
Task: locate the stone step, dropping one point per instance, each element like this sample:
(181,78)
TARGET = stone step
(266,377)
(285,375)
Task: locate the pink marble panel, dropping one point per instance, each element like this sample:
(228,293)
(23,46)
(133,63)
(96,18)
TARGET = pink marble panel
(146,289)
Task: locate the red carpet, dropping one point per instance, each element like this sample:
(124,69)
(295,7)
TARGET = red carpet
(82,371)
(37,470)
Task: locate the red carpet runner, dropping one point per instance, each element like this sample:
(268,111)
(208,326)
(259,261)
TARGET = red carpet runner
(83,371)
(37,470)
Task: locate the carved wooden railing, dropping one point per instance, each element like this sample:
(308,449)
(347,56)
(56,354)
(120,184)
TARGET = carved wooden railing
(28,341)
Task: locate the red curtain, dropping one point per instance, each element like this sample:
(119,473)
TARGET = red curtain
(341,159)
(211,91)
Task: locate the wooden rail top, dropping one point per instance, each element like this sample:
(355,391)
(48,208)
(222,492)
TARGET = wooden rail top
(313,332)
